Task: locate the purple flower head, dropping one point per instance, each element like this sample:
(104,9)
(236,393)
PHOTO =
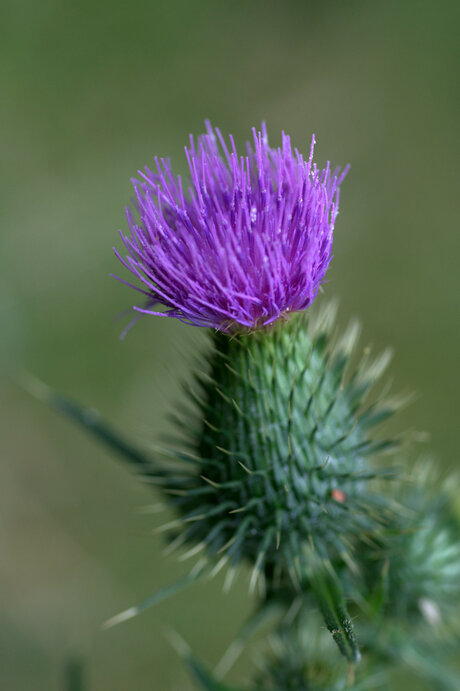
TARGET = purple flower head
(248,240)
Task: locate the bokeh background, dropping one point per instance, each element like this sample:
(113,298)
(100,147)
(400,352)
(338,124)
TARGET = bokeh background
(91,91)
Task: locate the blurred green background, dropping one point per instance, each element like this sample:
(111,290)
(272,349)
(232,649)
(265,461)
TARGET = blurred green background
(91,91)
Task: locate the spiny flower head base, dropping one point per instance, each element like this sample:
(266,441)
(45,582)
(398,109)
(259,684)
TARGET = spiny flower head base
(278,460)
(247,242)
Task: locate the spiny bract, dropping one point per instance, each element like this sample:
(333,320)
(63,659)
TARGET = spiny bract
(280,460)
(418,558)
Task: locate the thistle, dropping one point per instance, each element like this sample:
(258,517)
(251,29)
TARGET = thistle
(279,447)
(279,465)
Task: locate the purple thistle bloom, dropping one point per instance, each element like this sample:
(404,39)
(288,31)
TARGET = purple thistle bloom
(249,241)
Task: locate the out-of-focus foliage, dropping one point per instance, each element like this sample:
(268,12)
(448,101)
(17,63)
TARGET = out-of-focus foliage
(91,91)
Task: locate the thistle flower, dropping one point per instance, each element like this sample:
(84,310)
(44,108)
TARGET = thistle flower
(246,243)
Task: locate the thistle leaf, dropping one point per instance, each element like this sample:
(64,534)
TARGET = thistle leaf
(93,423)
(159,596)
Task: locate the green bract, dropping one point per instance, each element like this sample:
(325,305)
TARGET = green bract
(281,450)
